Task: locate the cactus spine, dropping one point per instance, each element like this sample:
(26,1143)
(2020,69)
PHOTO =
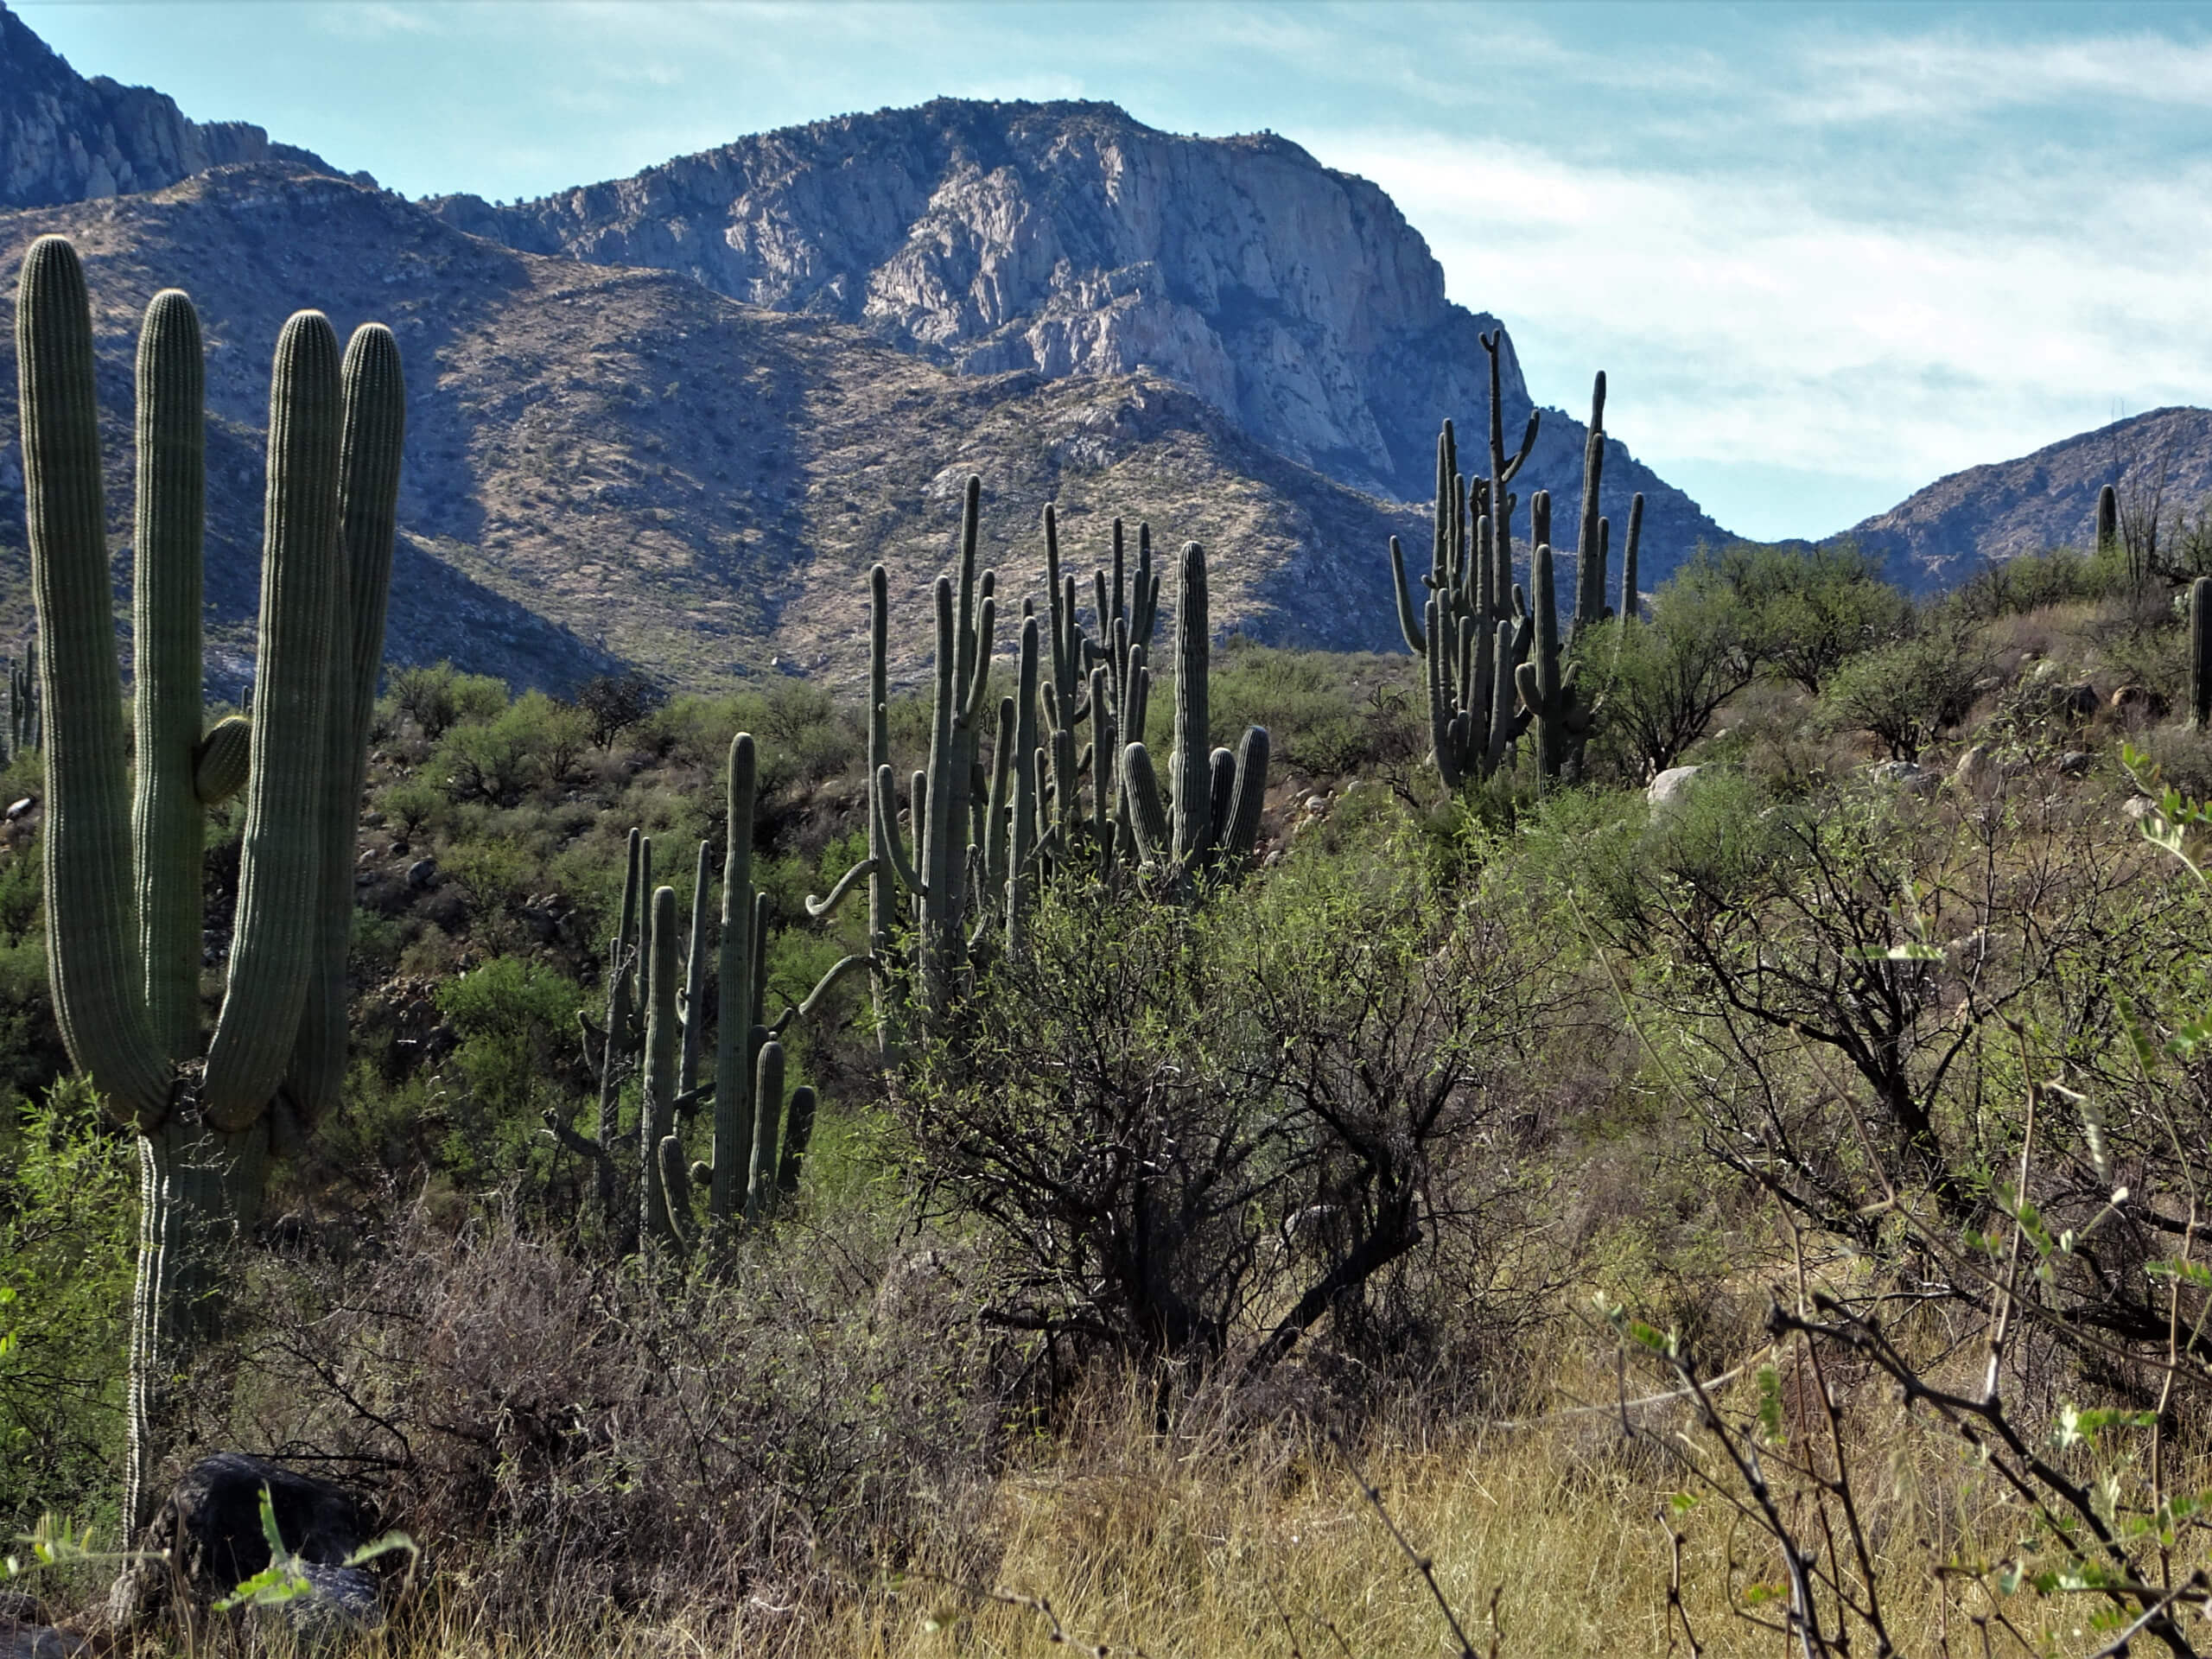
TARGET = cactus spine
(124,949)
(2200,654)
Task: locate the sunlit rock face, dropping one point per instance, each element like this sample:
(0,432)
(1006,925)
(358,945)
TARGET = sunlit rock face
(1071,240)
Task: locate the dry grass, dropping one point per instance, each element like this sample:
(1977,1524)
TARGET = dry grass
(1551,1538)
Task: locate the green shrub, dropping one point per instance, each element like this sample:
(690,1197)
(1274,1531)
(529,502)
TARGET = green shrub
(68,1218)
(1906,694)
(439,696)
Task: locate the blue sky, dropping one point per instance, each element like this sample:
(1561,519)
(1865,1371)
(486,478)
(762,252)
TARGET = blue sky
(1825,254)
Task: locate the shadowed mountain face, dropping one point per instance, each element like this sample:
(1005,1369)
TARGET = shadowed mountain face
(65,138)
(615,466)
(1069,240)
(2159,464)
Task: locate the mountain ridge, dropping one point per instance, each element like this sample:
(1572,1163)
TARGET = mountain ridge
(2158,462)
(1070,238)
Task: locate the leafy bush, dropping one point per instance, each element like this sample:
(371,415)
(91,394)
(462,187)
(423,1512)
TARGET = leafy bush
(1906,694)
(1805,611)
(67,1223)
(438,697)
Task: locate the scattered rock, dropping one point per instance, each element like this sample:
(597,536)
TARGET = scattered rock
(2081,700)
(372,818)
(2137,700)
(27,1631)
(2075,763)
(17,808)
(1976,773)
(2136,808)
(1907,775)
(422,872)
(1670,785)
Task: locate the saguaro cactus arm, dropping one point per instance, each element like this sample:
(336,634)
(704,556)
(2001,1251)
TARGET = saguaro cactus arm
(93,955)
(272,952)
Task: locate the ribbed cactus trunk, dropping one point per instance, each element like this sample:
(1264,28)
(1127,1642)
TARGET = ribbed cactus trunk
(1590,535)
(1631,598)
(123,866)
(2200,654)
(734,1045)
(664,1053)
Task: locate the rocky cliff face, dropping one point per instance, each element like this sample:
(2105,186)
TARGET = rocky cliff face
(2158,463)
(614,466)
(65,138)
(1070,240)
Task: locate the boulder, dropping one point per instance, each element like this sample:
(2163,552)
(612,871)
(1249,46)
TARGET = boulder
(1670,785)
(209,1529)
(1976,773)
(1907,775)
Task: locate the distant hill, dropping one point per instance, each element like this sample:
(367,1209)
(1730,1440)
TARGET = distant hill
(2160,462)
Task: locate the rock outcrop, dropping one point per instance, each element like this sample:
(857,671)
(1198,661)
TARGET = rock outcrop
(65,138)
(1069,239)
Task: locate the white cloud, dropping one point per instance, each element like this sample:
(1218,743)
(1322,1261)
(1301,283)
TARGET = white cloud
(1743,322)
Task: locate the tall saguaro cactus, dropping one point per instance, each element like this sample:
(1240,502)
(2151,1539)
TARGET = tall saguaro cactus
(123,879)
(2200,654)
(1216,797)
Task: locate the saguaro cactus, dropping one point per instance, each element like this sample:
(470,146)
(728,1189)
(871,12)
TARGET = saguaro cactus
(1592,532)
(1547,691)
(22,703)
(123,884)
(1473,629)
(2200,653)
(1212,828)
(944,813)
(1631,600)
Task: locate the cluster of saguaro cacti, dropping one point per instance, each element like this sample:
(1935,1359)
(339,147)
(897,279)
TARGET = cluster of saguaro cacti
(1105,681)
(1493,659)
(123,862)
(981,841)
(655,1023)
(22,704)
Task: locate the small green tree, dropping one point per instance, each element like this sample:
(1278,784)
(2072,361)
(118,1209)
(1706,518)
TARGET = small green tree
(1669,676)
(1907,693)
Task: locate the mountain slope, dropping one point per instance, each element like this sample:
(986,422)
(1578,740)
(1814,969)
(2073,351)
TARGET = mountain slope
(2159,462)
(65,138)
(611,465)
(1069,239)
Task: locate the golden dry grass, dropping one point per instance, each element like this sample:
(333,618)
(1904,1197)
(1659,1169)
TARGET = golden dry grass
(1263,1544)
